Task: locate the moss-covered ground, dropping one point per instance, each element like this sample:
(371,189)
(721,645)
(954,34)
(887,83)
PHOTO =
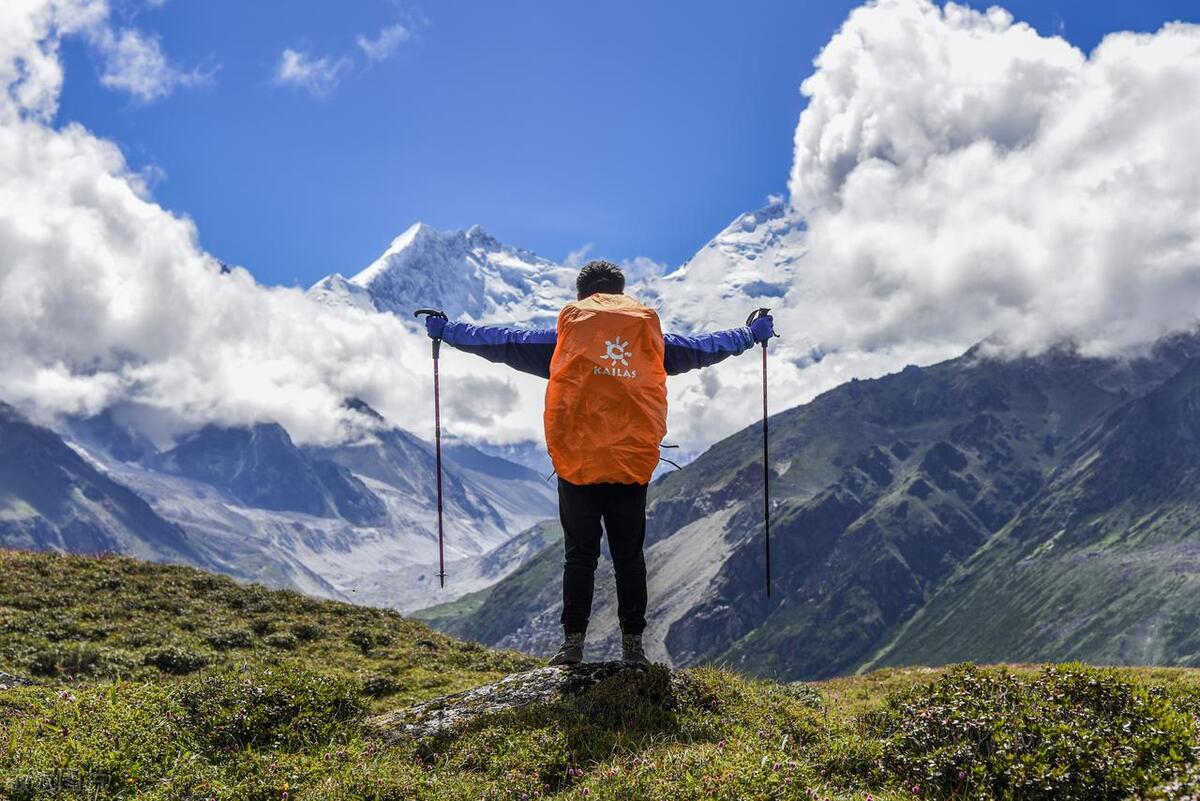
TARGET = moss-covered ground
(158,682)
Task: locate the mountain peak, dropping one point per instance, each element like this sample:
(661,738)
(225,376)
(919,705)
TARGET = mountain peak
(478,236)
(464,272)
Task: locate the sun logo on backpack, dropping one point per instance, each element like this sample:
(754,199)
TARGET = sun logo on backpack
(618,352)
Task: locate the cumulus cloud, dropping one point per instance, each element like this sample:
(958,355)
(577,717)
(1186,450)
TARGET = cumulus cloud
(105,297)
(963,176)
(958,177)
(31,72)
(385,44)
(481,400)
(317,76)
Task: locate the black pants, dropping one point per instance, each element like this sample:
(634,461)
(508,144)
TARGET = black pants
(622,508)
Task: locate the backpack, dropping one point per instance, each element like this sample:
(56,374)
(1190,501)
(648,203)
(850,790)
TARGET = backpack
(606,403)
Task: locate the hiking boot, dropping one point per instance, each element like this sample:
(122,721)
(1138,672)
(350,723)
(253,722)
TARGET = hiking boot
(571,651)
(631,649)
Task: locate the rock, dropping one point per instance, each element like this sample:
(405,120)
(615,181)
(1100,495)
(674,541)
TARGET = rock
(9,681)
(543,685)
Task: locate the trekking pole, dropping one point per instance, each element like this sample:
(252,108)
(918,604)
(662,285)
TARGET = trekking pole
(766,469)
(437,440)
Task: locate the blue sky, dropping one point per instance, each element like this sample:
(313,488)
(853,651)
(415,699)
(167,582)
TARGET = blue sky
(642,128)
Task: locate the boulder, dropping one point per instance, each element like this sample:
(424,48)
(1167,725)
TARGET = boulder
(541,686)
(9,681)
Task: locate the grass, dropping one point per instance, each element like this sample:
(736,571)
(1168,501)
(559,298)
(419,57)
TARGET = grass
(160,682)
(82,620)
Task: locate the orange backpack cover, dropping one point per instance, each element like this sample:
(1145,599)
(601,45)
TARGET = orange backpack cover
(606,404)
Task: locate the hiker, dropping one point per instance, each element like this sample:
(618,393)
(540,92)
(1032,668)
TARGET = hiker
(605,418)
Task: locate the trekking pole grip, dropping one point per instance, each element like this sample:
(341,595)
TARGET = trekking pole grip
(756,314)
(437,343)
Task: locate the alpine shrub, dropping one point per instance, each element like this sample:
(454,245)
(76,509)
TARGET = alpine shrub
(1070,733)
(283,640)
(81,660)
(178,659)
(289,708)
(378,685)
(228,639)
(307,632)
(366,639)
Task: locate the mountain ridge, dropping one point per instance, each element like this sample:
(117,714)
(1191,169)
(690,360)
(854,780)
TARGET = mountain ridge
(351,521)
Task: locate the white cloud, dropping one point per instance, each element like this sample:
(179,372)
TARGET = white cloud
(636,269)
(578,256)
(317,76)
(959,177)
(31,72)
(135,63)
(963,176)
(386,43)
(641,268)
(106,297)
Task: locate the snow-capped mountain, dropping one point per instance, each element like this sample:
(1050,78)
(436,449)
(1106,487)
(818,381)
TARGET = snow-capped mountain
(467,273)
(472,276)
(752,263)
(356,521)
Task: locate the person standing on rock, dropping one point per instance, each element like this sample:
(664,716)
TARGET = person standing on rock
(605,418)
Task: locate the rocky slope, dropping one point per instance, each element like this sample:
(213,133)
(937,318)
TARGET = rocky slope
(51,497)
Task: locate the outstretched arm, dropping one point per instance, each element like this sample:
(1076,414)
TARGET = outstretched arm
(526,349)
(685,353)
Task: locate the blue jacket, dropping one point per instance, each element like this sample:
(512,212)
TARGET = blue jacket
(530,349)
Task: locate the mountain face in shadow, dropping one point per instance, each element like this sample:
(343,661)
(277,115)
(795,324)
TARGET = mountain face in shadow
(354,521)
(261,467)
(51,497)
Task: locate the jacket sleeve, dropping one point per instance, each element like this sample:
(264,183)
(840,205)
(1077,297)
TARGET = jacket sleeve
(685,353)
(526,349)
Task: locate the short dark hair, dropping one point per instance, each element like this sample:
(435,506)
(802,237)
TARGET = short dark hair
(600,276)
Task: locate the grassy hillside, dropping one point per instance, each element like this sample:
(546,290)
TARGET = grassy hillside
(83,620)
(159,682)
